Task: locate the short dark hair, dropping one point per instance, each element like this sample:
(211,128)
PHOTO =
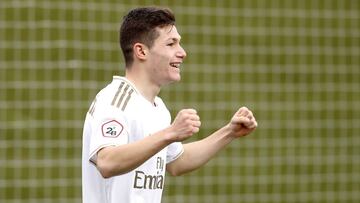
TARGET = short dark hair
(139,25)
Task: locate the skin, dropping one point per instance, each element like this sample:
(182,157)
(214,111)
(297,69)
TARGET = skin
(152,69)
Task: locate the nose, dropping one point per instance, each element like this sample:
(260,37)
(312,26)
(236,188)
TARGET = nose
(181,53)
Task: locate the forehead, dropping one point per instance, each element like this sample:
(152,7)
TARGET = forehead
(168,32)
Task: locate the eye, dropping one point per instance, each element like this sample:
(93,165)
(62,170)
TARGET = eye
(170,44)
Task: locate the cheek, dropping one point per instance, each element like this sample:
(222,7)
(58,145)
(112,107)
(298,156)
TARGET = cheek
(161,61)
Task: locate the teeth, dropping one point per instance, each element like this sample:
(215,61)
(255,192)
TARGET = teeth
(175,65)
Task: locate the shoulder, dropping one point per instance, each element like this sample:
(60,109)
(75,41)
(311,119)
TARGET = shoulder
(116,96)
(121,94)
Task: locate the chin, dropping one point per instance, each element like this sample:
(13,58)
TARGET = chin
(174,80)
(177,79)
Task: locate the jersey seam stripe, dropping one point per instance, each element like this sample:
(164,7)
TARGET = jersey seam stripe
(127,99)
(92,109)
(131,85)
(122,95)
(117,93)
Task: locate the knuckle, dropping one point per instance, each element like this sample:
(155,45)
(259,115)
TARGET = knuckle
(192,111)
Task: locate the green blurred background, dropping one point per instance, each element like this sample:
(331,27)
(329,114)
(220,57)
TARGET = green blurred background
(296,64)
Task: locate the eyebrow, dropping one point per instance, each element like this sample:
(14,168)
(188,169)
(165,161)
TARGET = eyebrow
(174,39)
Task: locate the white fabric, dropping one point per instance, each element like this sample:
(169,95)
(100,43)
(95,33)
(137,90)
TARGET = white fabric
(120,115)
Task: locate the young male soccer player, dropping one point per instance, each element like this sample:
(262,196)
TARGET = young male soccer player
(128,138)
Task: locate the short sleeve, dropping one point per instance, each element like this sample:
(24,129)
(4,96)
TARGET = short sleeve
(109,130)
(174,151)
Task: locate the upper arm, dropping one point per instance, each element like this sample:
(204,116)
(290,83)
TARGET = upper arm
(108,129)
(173,166)
(174,153)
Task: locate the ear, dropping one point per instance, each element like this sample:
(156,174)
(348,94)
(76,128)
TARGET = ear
(140,51)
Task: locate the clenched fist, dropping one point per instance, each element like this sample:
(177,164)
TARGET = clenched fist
(243,122)
(185,124)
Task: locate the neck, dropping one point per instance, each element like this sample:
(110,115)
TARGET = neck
(143,84)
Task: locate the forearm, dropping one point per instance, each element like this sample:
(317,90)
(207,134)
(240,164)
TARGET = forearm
(121,159)
(197,154)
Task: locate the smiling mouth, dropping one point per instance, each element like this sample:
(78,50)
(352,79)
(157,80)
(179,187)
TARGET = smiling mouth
(175,65)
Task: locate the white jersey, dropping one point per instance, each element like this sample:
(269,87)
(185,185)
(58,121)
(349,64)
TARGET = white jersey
(120,115)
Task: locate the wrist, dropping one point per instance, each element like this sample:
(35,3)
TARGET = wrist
(168,135)
(228,132)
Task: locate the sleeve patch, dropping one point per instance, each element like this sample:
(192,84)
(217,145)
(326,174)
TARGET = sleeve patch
(112,129)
